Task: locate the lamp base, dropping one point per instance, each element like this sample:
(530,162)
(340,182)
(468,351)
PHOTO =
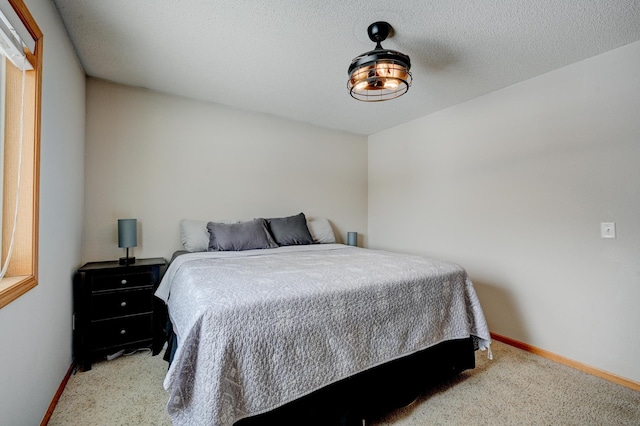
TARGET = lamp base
(127,260)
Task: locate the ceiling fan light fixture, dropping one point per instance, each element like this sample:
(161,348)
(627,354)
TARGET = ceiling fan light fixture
(380,74)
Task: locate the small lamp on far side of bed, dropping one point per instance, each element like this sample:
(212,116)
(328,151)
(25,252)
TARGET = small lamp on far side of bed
(127,237)
(352,238)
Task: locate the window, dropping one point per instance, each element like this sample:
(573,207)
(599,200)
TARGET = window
(22,272)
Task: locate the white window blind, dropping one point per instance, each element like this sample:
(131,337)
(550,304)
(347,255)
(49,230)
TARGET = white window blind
(15,23)
(12,48)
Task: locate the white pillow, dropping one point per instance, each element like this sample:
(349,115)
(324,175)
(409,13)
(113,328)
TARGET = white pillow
(321,231)
(194,234)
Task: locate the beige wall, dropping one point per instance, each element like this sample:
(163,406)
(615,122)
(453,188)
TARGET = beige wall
(513,186)
(161,158)
(35,329)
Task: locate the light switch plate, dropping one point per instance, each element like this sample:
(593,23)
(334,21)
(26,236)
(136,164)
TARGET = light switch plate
(608,229)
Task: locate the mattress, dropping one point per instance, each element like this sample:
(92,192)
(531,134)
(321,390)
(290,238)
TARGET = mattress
(260,328)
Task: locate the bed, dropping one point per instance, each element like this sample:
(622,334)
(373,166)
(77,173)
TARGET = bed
(265,335)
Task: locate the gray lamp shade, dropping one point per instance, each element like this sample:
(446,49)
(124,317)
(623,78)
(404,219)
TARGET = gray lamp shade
(352,238)
(127,233)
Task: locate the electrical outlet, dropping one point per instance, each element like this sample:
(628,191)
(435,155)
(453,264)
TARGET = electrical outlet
(608,229)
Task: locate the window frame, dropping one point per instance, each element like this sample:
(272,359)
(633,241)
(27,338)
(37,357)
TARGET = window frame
(22,274)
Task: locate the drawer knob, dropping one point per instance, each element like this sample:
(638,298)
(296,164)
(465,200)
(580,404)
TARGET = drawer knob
(123,282)
(123,331)
(123,304)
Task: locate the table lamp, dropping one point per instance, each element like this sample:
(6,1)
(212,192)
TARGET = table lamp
(127,237)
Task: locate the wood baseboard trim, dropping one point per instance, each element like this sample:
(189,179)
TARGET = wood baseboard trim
(56,397)
(568,362)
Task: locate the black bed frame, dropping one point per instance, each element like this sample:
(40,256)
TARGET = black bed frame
(375,391)
(370,393)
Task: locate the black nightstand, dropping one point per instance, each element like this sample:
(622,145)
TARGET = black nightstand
(114,309)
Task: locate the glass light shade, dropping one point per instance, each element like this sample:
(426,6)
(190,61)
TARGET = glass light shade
(378,79)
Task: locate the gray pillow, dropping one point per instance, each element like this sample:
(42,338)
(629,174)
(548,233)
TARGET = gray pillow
(289,231)
(248,235)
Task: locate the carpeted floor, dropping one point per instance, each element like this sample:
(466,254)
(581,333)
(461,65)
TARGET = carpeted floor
(516,388)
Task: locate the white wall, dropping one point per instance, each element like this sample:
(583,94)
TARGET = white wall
(162,158)
(513,186)
(35,329)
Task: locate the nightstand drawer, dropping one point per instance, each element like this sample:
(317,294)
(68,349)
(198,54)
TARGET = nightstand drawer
(121,303)
(120,331)
(117,281)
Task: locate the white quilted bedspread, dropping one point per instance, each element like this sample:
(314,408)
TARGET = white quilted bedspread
(260,328)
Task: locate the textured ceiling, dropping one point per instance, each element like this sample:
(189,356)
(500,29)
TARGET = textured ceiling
(289,58)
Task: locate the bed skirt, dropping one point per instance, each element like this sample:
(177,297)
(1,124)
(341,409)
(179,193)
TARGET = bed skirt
(367,394)
(372,392)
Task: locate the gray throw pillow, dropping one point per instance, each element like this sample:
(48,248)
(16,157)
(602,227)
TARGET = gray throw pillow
(289,231)
(240,236)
